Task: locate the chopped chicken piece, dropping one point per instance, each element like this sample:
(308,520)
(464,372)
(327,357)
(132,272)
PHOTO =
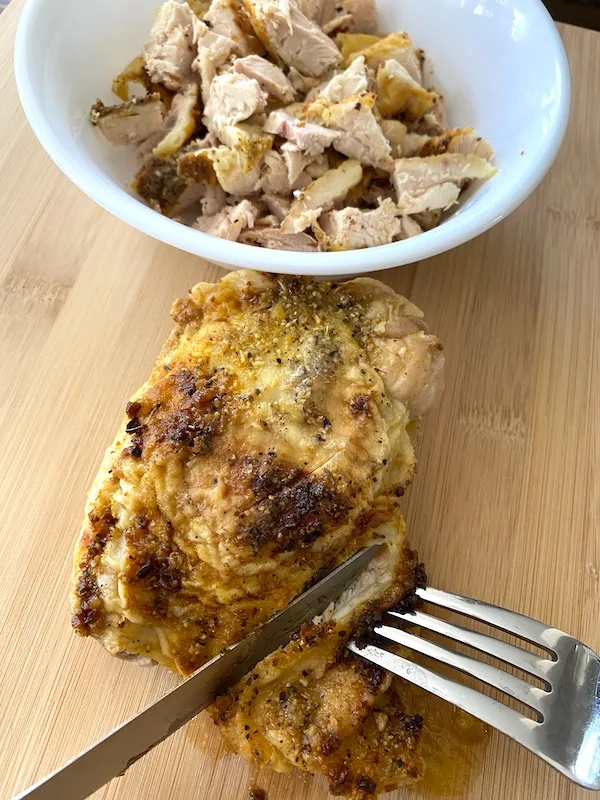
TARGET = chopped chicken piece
(395,132)
(434,122)
(199,7)
(180,123)
(353,44)
(170,51)
(274,239)
(308,137)
(424,184)
(195,165)
(413,144)
(351,81)
(363,13)
(342,22)
(409,227)
(317,167)
(249,140)
(133,122)
(299,164)
(233,98)
(428,219)
(213,52)
(320,11)
(274,174)
(230,221)
(321,195)
(395,47)
(352,229)
(292,37)
(238,172)
(278,206)
(360,136)
(134,72)
(164,189)
(399,93)
(213,200)
(301,83)
(458,140)
(270,77)
(268,221)
(295,161)
(229,18)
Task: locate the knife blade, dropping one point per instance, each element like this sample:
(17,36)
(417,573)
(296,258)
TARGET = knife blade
(121,748)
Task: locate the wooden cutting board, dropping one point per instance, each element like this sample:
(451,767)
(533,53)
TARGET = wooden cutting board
(506,506)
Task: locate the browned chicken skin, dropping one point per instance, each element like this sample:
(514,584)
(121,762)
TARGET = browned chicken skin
(270,443)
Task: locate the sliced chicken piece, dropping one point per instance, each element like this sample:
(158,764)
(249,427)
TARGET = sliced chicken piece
(230,221)
(199,7)
(295,161)
(299,164)
(213,200)
(409,227)
(312,139)
(320,11)
(395,132)
(180,123)
(352,80)
(233,98)
(428,219)
(395,47)
(425,184)
(229,18)
(342,22)
(317,167)
(249,140)
(270,77)
(134,72)
(363,13)
(195,165)
(167,191)
(274,239)
(458,140)
(292,37)
(434,122)
(133,122)
(301,83)
(399,93)
(353,229)
(351,45)
(274,174)
(277,205)
(360,136)
(413,144)
(321,195)
(234,172)
(170,51)
(213,50)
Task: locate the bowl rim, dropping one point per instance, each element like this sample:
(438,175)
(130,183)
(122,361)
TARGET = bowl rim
(449,235)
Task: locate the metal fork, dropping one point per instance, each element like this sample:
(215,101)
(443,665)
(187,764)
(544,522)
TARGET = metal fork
(566,732)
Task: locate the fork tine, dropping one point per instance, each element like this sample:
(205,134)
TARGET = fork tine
(529,629)
(504,681)
(490,711)
(509,653)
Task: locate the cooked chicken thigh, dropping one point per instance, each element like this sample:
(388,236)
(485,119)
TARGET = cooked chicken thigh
(269,443)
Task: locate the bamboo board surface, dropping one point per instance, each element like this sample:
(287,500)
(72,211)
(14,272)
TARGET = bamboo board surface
(506,506)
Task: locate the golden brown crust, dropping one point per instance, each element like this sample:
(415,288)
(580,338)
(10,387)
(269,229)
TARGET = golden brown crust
(263,450)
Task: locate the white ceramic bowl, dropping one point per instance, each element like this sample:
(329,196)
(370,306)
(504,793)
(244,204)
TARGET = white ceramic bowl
(500,64)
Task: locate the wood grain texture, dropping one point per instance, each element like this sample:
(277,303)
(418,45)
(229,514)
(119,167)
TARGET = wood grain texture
(506,506)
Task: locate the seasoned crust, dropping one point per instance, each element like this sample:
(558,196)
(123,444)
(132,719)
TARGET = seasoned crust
(267,446)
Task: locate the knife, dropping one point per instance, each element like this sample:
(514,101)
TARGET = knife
(120,749)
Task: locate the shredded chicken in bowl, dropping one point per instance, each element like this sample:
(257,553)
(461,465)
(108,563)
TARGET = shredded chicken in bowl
(290,125)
